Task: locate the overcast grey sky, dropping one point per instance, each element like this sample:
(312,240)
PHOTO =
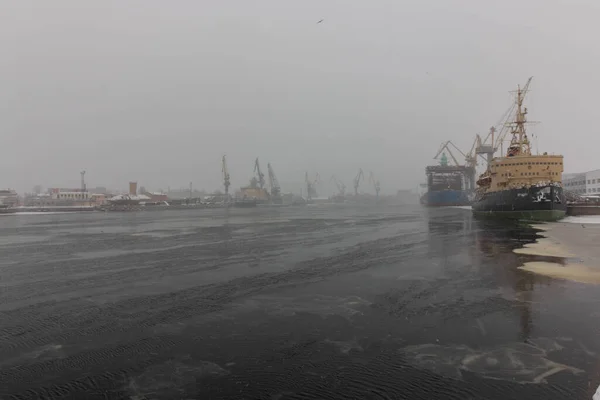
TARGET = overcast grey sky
(156,90)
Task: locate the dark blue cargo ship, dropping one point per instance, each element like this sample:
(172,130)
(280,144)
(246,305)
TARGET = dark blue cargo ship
(449,197)
(448,185)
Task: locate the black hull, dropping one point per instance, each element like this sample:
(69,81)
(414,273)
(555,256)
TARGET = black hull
(546,203)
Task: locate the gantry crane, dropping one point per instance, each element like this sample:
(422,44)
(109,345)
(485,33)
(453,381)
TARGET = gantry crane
(273,182)
(357,179)
(486,146)
(375,183)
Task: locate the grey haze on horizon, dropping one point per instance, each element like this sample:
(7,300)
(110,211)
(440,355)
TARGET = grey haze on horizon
(157,91)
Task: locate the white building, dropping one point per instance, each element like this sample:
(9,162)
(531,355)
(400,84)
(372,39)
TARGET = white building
(585,183)
(68,197)
(71,195)
(9,197)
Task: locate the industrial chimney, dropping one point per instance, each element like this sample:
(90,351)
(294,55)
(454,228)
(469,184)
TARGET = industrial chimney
(132,188)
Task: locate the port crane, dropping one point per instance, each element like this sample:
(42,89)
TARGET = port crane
(311,186)
(226,177)
(485,146)
(470,161)
(375,183)
(273,182)
(478,148)
(446,146)
(340,186)
(260,177)
(357,179)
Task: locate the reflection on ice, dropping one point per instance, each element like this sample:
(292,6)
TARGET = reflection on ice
(569,271)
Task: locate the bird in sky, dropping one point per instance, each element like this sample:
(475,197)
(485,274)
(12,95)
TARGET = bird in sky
(319,21)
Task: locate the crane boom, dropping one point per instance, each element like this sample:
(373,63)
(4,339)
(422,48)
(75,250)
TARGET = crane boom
(375,183)
(260,177)
(445,146)
(340,186)
(357,179)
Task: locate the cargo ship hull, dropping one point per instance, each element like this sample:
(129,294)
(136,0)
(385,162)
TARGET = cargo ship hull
(545,203)
(445,198)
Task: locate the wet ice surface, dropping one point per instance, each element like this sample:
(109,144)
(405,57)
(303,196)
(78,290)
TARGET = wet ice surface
(336,302)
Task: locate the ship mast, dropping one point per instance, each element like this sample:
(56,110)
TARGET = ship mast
(519,144)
